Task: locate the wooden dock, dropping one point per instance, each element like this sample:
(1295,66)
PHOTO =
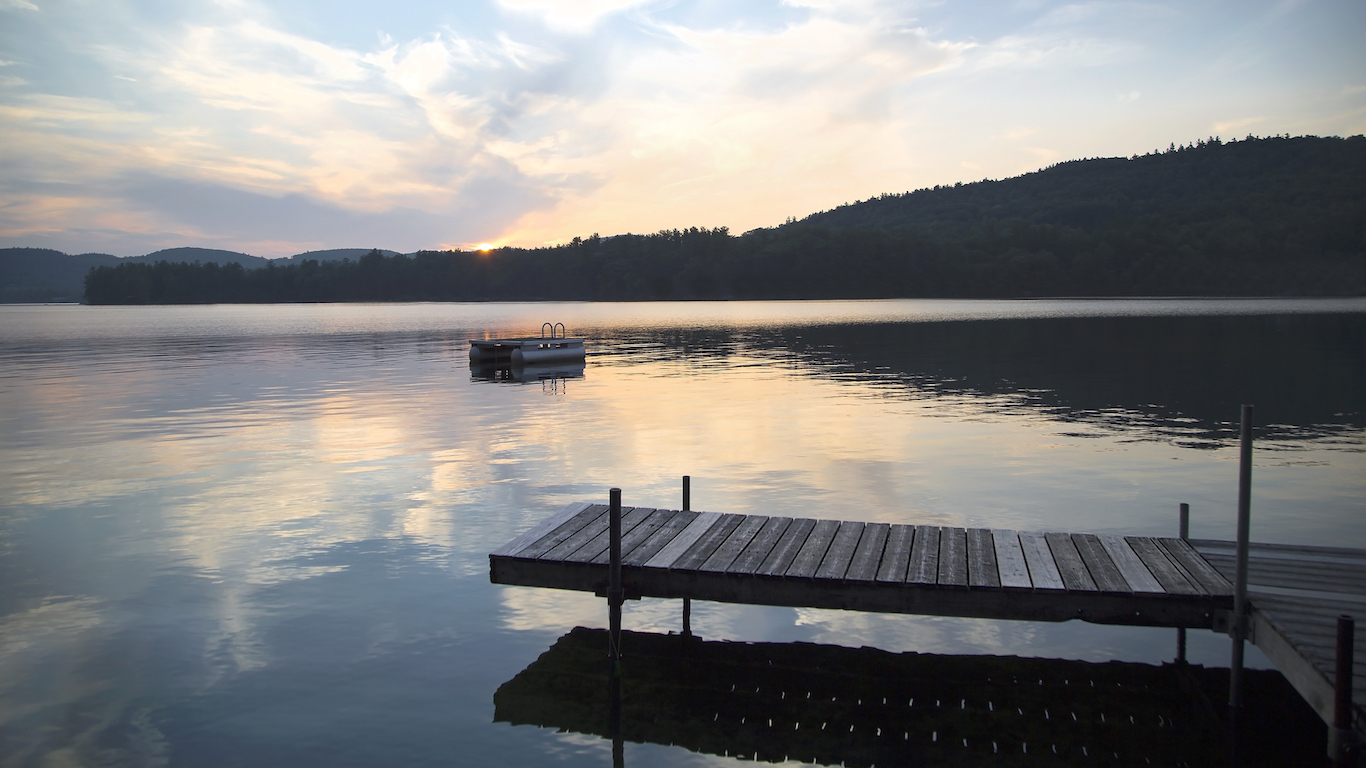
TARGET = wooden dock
(920,569)
(1295,596)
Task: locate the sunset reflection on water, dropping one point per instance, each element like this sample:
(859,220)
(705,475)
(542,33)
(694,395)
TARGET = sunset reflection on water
(208,510)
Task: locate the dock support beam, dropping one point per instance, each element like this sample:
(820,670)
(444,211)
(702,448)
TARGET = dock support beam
(1184,529)
(1239,625)
(614,591)
(1342,747)
(687,601)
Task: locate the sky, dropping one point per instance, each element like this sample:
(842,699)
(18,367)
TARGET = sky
(127,126)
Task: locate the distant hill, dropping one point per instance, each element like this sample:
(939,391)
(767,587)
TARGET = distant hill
(1308,188)
(42,274)
(203,256)
(335,254)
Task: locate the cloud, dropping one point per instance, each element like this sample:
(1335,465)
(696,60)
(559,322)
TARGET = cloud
(572,15)
(528,122)
(18,5)
(1233,125)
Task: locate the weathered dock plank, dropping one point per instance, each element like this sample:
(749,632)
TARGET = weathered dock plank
(837,558)
(1075,577)
(1171,579)
(598,546)
(924,565)
(789,544)
(1010,560)
(759,548)
(953,557)
(813,551)
(1042,569)
(1139,578)
(734,544)
(1098,563)
(896,555)
(651,545)
(539,530)
(869,553)
(982,570)
(708,543)
(685,539)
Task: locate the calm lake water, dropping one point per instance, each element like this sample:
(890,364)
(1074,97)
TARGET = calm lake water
(257,535)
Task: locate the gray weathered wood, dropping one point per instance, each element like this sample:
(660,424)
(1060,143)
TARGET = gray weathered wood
(685,539)
(638,534)
(1010,560)
(836,561)
(869,553)
(708,543)
(734,544)
(577,539)
(675,522)
(1103,570)
(566,513)
(953,557)
(563,531)
(789,544)
(813,551)
(896,555)
(1070,565)
(924,565)
(1129,564)
(599,546)
(760,546)
(1212,581)
(1299,551)
(1173,581)
(1042,570)
(982,559)
(1297,574)
(861,567)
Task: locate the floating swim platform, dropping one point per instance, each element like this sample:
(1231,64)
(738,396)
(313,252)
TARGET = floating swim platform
(555,349)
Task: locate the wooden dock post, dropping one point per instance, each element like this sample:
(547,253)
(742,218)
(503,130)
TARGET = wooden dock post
(1184,529)
(687,601)
(1238,627)
(614,590)
(1342,737)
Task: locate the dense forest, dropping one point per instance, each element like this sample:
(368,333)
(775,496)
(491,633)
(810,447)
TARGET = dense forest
(1262,216)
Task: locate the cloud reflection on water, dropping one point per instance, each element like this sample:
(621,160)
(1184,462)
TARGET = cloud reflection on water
(208,510)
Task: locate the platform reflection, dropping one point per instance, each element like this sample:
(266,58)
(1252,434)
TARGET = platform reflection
(832,705)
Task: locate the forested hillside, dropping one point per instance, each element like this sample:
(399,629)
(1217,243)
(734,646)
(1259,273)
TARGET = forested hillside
(1274,216)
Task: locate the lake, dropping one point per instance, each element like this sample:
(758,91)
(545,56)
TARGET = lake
(258,535)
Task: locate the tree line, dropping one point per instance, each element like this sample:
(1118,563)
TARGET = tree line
(1273,216)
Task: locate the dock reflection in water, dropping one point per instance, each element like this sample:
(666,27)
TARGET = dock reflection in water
(830,705)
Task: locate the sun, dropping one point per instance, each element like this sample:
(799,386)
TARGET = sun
(486,247)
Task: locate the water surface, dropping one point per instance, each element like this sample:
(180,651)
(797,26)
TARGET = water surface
(257,534)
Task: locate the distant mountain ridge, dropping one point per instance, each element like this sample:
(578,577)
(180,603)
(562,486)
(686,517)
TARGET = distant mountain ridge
(45,275)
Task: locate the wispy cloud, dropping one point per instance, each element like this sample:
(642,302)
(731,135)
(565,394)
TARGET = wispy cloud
(527,121)
(1233,125)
